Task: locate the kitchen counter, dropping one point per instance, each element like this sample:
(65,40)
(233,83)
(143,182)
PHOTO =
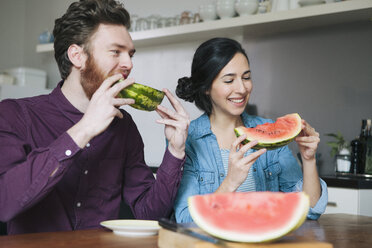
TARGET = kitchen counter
(348,181)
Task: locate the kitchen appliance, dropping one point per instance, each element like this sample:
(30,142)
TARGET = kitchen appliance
(15,91)
(28,77)
(6,79)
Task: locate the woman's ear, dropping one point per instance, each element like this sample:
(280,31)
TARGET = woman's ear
(76,55)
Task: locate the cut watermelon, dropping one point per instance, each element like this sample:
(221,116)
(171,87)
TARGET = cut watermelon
(250,216)
(146,98)
(272,135)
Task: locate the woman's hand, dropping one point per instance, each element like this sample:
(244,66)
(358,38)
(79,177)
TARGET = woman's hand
(176,125)
(238,164)
(307,141)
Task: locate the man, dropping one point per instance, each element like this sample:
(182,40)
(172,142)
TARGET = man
(68,158)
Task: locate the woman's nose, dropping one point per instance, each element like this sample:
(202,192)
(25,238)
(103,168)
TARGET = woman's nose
(240,86)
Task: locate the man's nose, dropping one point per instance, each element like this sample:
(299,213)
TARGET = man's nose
(126,62)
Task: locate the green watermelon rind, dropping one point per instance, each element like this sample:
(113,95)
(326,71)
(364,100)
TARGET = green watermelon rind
(298,219)
(146,98)
(273,145)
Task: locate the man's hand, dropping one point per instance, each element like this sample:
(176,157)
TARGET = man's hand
(176,125)
(102,109)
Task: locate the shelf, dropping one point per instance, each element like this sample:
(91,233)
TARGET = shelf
(44,47)
(259,24)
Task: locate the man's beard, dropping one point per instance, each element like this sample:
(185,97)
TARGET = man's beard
(91,77)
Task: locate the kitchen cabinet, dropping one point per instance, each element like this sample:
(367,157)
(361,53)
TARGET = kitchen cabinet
(17,91)
(349,195)
(254,25)
(349,201)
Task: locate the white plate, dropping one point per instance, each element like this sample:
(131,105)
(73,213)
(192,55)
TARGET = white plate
(310,2)
(132,227)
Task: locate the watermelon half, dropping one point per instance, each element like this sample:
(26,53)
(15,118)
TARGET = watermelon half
(146,98)
(272,135)
(249,216)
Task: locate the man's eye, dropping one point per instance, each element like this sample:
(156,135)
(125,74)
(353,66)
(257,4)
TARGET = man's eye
(116,52)
(247,78)
(228,81)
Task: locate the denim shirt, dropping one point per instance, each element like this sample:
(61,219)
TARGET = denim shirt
(275,170)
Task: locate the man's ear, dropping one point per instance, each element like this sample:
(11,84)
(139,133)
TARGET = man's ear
(77,55)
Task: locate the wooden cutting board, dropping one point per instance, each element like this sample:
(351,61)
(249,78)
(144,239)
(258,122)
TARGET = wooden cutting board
(170,239)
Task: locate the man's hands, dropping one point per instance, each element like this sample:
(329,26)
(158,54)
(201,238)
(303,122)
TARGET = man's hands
(176,122)
(102,109)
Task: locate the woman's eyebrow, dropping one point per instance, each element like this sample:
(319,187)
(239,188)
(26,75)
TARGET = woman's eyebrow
(229,75)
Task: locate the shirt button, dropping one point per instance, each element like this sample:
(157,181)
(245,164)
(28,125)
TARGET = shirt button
(68,152)
(88,145)
(78,204)
(181,168)
(201,179)
(221,175)
(270,173)
(254,169)
(86,172)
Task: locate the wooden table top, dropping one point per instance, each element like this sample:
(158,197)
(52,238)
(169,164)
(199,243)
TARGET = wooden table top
(341,230)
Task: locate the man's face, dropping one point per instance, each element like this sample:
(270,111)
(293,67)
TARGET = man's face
(110,52)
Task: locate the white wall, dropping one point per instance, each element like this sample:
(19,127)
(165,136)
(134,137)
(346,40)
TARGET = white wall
(324,73)
(160,67)
(12,27)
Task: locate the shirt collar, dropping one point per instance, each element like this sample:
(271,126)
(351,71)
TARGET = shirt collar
(203,124)
(58,98)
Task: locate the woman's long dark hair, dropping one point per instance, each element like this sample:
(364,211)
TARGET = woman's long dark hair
(209,59)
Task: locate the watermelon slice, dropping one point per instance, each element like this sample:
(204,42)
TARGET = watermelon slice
(272,135)
(146,98)
(249,216)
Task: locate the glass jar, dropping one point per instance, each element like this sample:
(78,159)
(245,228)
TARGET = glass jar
(343,163)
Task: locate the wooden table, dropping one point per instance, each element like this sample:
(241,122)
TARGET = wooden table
(339,229)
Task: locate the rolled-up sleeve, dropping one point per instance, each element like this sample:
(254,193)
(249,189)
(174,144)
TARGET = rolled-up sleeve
(320,207)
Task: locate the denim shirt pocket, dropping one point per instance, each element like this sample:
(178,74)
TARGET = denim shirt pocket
(272,176)
(206,181)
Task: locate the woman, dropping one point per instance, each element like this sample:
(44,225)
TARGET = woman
(220,84)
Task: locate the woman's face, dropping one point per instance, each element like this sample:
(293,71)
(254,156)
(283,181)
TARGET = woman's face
(232,87)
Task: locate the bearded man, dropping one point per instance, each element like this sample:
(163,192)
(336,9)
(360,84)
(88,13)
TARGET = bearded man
(69,158)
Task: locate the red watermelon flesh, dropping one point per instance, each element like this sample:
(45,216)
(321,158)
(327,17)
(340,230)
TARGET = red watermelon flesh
(273,135)
(250,216)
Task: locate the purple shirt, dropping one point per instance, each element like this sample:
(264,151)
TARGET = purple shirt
(48,183)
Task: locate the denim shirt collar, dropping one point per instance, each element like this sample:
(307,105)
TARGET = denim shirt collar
(203,124)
